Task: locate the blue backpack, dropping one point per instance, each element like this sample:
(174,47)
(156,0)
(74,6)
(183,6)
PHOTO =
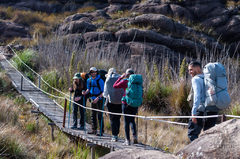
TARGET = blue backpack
(216,86)
(134,91)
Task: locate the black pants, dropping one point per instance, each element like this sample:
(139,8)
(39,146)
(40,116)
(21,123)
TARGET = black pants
(129,120)
(195,129)
(115,119)
(95,114)
(75,113)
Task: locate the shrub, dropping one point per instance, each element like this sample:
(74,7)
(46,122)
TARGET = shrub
(178,103)
(5,83)
(29,57)
(27,18)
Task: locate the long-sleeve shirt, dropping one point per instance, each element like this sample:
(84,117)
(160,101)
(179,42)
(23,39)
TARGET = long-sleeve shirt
(121,83)
(198,93)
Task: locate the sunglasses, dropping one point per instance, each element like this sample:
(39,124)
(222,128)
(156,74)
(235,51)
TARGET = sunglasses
(93,72)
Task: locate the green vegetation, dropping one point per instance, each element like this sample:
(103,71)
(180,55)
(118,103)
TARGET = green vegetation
(29,57)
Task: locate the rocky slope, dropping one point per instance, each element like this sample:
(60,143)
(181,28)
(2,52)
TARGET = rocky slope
(192,28)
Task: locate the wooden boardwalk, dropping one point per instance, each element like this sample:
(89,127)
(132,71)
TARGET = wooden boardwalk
(50,109)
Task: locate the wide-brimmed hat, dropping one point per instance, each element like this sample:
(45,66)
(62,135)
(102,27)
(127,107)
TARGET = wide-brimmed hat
(111,71)
(129,71)
(77,76)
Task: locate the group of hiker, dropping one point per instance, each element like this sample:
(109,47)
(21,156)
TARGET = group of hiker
(113,89)
(123,94)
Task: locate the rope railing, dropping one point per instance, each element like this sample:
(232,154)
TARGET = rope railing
(151,118)
(37,73)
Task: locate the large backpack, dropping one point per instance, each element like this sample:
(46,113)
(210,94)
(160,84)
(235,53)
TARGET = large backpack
(113,95)
(216,86)
(134,90)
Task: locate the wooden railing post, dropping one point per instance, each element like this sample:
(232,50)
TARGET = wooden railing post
(52,126)
(64,113)
(223,118)
(39,82)
(145,132)
(21,85)
(92,146)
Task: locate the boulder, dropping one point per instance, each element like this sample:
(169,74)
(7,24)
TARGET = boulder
(178,45)
(10,30)
(79,26)
(114,8)
(172,10)
(76,17)
(95,36)
(122,1)
(99,14)
(40,6)
(230,32)
(203,11)
(139,154)
(157,21)
(221,141)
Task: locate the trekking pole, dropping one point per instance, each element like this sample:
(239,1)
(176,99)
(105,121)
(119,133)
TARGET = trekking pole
(84,114)
(69,109)
(102,118)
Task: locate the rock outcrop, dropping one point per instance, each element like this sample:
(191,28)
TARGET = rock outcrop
(139,154)
(10,30)
(221,141)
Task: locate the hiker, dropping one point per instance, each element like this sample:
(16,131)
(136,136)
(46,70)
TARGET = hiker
(122,82)
(78,87)
(113,101)
(95,86)
(195,125)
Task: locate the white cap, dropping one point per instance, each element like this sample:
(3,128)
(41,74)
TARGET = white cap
(93,69)
(111,71)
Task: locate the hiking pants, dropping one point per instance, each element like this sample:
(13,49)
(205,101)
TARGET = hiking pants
(126,109)
(75,113)
(95,114)
(195,129)
(114,119)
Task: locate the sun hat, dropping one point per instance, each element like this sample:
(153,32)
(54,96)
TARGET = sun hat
(129,71)
(93,69)
(111,71)
(77,76)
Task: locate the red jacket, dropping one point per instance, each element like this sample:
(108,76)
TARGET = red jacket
(121,83)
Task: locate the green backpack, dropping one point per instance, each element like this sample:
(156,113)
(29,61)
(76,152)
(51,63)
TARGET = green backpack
(134,91)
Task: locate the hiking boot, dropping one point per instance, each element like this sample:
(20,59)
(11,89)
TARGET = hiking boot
(92,132)
(81,128)
(98,134)
(74,127)
(114,138)
(135,141)
(127,142)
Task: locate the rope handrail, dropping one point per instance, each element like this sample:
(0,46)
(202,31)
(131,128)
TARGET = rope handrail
(152,118)
(31,81)
(37,73)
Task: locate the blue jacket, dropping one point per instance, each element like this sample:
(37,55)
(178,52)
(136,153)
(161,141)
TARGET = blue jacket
(199,93)
(94,90)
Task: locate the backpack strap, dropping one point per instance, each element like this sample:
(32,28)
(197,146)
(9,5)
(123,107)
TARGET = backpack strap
(98,85)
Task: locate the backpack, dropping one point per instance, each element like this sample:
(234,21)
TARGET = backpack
(113,95)
(216,86)
(102,74)
(134,91)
